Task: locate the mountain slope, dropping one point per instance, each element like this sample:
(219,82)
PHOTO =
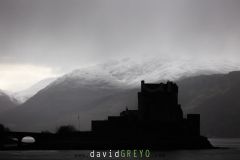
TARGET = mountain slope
(60,103)
(24,95)
(6,102)
(216,98)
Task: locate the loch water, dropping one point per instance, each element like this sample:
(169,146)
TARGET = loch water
(230,151)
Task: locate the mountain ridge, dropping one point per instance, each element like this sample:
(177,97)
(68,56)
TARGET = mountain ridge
(96,97)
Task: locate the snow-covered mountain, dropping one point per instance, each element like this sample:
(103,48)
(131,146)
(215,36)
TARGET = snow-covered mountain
(24,95)
(128,73)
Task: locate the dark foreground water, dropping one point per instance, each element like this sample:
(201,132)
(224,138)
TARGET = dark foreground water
(232,153)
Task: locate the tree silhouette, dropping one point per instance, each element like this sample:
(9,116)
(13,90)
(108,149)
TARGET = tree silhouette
(66,129)
(3,128)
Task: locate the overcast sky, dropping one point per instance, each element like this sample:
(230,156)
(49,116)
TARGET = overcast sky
(44,38)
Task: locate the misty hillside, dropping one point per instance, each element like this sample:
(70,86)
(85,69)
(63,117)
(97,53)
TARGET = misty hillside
(6,102)
(95,96)
(216,98)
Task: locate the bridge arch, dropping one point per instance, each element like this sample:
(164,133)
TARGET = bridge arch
(28,139)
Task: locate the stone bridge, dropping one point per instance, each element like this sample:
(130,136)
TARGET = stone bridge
(18,136)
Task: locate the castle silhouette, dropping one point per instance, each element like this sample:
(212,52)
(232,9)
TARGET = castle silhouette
(158,123)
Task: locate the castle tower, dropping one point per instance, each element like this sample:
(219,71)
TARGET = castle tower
(159,102)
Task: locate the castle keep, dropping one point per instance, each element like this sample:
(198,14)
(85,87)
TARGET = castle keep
(158,114)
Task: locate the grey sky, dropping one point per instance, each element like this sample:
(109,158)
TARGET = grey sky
(66,34)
